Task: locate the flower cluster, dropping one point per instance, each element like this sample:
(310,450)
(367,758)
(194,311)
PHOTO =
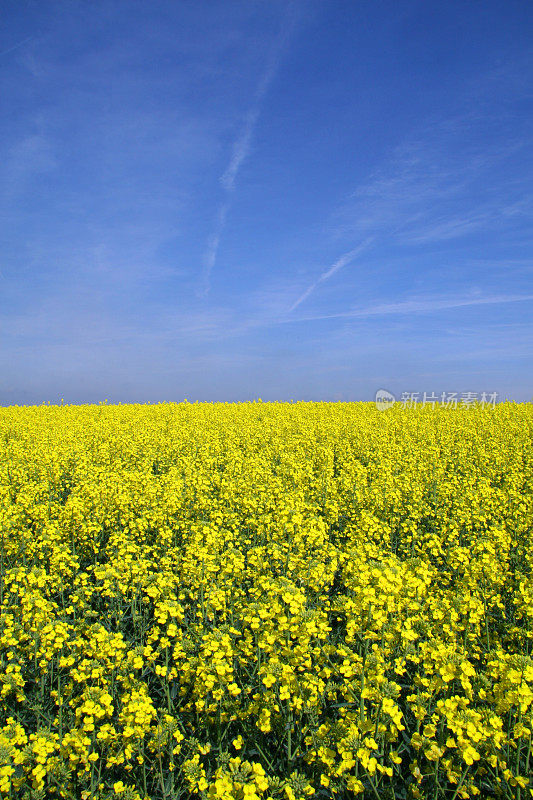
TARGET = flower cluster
(266,601)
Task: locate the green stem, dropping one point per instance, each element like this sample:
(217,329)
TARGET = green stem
(465,772)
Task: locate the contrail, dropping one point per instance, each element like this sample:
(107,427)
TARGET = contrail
(345,259)
(242,144)
(16,46)
(240,150)
(241,147)
(213,244)
(416,306)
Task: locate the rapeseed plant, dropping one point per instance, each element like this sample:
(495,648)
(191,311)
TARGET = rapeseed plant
(266,602)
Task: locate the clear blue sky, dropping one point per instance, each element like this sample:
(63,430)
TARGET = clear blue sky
(260,198)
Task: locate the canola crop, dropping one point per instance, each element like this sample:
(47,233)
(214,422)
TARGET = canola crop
(266,601)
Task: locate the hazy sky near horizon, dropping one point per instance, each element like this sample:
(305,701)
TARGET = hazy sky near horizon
(232,199)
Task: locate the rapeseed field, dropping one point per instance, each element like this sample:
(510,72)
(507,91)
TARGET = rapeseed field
(266,601)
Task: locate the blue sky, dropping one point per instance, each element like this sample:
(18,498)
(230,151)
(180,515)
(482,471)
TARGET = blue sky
(306,200)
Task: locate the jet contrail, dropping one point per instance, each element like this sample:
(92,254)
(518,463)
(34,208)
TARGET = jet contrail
(16,46)
(241,147)
(341,262)
(415,306)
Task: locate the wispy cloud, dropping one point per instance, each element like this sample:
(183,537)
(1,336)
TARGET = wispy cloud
(451,179)
(454,176)
(341,262)
(241,147)
(28,157)
(419,305)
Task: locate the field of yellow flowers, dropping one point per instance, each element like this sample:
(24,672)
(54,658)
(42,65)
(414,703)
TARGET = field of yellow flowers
(264,600)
